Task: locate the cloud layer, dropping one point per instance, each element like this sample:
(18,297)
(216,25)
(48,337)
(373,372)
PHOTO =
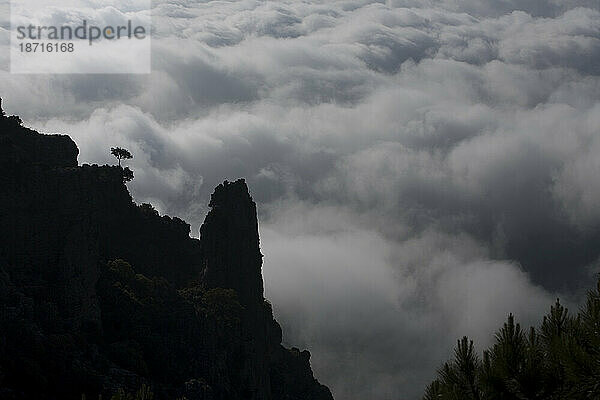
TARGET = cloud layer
(422,168)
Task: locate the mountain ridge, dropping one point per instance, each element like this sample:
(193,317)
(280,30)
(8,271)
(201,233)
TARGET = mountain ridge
(99,294)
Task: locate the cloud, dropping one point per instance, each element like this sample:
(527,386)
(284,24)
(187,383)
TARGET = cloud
(422,168)
(408,292)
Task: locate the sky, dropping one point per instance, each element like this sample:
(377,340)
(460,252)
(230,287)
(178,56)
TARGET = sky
(421,168)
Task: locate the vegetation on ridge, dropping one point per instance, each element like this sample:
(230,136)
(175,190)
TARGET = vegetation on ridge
(558,360)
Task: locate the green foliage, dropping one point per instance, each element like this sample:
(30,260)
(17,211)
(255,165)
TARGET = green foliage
(164,333)
(219,306)
(558,360)
(148,209)
(138,315)
(433,391)
(127,174)
(120,154)
(122,270)
(144,393)
(15,120)
(137,287)
(222,305)
(459,377)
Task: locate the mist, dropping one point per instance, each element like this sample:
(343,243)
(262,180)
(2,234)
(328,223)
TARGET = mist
(421,168)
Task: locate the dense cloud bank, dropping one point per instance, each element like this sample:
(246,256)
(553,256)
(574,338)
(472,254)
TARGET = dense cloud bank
(422,167)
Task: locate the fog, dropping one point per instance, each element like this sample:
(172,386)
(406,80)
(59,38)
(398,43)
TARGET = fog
(421,168)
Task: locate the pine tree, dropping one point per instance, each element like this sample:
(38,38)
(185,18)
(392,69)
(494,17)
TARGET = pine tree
(560,360)
(459,377)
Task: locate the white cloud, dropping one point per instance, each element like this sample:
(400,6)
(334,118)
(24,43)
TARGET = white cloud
(418,164)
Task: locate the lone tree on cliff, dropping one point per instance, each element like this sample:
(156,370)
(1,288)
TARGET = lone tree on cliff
(127,174)
(120,154)
(123,154)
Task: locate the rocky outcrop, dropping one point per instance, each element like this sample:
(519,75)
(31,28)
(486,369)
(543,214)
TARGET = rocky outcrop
(99,294)
(230,243)
(19,145)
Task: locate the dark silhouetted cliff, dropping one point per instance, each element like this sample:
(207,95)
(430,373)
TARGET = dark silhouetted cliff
(99,294)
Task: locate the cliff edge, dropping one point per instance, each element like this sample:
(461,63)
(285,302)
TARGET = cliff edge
(99,295)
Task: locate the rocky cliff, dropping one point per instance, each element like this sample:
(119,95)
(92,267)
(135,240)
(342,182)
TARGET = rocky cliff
(100,295)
